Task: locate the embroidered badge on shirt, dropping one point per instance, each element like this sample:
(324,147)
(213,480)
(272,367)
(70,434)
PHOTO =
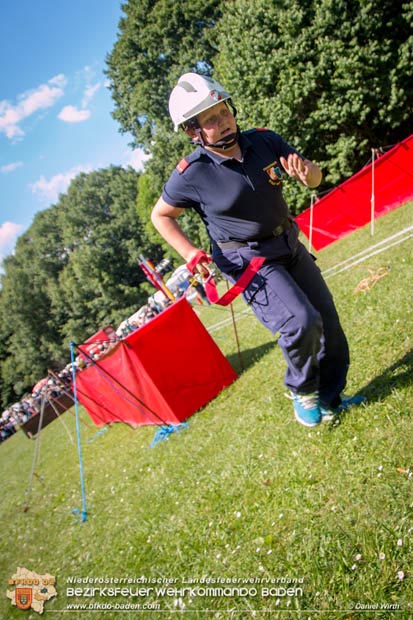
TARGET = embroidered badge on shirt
(274,173)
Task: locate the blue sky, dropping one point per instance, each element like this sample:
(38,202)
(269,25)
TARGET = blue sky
(55,110)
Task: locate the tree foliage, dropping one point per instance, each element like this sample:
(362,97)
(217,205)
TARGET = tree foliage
(158,40)
(334,77)
(73,271)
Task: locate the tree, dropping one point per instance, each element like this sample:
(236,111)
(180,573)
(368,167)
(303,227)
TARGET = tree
(334,77)
(27,326)
(73,271)
(158,40)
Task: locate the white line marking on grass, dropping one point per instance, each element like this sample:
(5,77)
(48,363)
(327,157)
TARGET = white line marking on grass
(363,258)
(227,321)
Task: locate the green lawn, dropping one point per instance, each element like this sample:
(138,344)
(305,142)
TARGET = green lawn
(245,499)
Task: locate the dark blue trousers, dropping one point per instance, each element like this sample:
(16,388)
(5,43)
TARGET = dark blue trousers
(290,297)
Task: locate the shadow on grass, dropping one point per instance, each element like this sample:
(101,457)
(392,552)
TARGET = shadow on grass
(398,375)
(249,357)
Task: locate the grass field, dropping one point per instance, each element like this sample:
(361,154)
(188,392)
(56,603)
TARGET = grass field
(289,522)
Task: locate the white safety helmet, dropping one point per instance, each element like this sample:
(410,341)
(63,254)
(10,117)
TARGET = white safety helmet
(192,95)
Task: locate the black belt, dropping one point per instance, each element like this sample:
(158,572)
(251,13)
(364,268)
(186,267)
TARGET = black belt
(278,230)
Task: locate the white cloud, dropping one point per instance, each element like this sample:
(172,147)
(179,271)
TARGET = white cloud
(11,167)
(49,189)
(90,92)
(9,231)
(136,159)
(60,80)
(71,114)
(29,102)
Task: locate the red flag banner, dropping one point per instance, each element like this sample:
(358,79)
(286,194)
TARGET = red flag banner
(349,206)
(161,373)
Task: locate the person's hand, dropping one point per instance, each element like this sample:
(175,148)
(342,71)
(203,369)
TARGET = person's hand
(302,170)
(203,269)
(202,265)
(295,167)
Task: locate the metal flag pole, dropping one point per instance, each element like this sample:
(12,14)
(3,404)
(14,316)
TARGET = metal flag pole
(373,198)
(234,327)
(310,235)
(83,512)
(36,450)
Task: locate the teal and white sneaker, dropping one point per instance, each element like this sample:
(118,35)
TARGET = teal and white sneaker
(328,414)
(307,408)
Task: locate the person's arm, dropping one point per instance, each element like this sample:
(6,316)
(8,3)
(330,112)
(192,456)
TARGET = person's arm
(164,218)
(304,170)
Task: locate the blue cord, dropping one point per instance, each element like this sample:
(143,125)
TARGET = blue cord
(98,434)
(83,513)
(162,434)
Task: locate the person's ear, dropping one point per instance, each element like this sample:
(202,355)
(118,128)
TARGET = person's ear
(191,133)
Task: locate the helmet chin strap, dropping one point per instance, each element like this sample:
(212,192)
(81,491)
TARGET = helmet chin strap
(225,143)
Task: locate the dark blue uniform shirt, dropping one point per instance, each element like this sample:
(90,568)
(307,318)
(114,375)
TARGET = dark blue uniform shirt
(237,200)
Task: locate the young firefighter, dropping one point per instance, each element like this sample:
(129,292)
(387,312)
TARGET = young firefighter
(233,180)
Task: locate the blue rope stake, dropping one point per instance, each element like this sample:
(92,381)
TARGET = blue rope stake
(83,513)
(98,434)
(163,432)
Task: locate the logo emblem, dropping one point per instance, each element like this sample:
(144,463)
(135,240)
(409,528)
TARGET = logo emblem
(24,598)
(274,173)
(214,94)
(31,590)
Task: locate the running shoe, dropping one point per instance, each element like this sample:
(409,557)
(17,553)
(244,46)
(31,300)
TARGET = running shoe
(307,408)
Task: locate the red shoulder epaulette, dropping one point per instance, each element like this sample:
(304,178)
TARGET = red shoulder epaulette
(182,165)
(261,129)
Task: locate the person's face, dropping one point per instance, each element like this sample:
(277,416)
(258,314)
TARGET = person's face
(216,122)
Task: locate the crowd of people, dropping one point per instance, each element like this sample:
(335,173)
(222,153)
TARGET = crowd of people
(51,387)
